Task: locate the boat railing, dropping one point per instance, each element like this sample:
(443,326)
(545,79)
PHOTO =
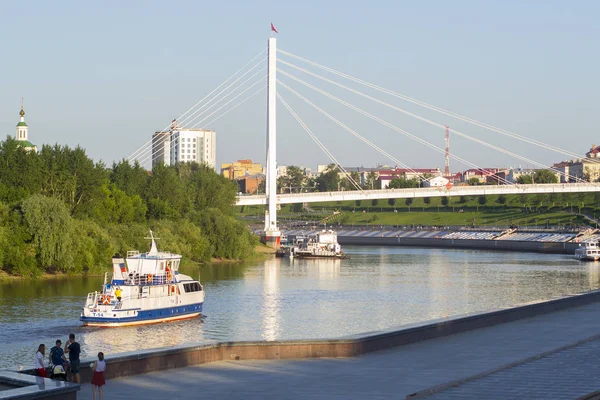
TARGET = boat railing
(92,299)
(149,280)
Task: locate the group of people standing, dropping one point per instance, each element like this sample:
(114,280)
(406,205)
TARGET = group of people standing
(68,359)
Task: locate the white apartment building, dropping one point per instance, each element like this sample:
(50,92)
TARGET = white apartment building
(184,145)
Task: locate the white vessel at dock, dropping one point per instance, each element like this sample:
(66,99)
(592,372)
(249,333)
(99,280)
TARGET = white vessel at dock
(323,244)
(590,251)
(150,288)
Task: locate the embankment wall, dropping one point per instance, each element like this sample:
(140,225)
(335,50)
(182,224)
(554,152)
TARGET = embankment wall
(505,245)
(139,362)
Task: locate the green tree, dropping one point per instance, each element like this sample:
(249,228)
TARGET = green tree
(427,200)
(445,200)
(20,172)
(473,182)
(167,197)
(525,179)
(329,180)
(132,179)
(115,206)
(545,176)
(402,182)
(482,200)
(501,199)
(408,201)
(374,202)
(371,181)
(391,202)
(51,228)
(294,179)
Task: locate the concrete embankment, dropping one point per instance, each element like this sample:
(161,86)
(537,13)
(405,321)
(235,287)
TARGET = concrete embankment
(141,362)
(506,245)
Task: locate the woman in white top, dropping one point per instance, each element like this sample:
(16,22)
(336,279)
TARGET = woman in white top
(98,381)
(39,360)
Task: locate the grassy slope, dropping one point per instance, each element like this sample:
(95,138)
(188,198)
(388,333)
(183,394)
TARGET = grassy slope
(518,210)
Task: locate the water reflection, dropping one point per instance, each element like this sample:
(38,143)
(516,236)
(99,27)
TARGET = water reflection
(377,288)
(271,299)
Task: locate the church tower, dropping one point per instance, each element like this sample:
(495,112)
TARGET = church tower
(22,126)
(22,131)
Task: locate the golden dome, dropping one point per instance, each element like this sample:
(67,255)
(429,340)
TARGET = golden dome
(22,113)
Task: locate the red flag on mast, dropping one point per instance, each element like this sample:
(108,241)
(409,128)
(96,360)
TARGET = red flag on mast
(273,28)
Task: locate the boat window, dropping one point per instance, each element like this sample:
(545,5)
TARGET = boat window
(192,287)
(162,265)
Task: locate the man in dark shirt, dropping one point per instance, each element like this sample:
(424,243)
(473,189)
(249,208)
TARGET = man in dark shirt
(57,354)
(73,349)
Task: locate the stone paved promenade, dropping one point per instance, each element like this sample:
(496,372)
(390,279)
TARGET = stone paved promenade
(496,354)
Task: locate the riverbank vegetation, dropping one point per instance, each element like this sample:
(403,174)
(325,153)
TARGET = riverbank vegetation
(61,212)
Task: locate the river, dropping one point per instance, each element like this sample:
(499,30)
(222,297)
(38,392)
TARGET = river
(377,288)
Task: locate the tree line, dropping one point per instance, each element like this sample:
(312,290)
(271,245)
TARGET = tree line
(62,212)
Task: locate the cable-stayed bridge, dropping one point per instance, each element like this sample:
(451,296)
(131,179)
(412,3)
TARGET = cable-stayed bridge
(249,81)
(483,190)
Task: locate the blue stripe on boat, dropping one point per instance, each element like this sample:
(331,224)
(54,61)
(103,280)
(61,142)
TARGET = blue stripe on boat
(148,315)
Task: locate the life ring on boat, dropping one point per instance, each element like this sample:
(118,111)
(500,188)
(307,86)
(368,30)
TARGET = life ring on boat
(150,277)
(106,300)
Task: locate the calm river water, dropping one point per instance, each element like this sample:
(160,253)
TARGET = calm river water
(377,288)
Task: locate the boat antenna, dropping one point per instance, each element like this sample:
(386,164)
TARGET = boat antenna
(153,248)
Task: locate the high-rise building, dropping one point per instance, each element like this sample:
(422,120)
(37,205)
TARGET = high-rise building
(161,148)
(184,145)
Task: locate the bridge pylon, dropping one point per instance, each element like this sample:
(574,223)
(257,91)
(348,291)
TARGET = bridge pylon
(271,235)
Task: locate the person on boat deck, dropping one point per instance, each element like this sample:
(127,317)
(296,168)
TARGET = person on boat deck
(118,293)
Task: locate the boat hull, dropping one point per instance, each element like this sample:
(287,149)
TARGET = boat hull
(113,318)
(316,256)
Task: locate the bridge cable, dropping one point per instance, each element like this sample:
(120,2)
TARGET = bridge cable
(230,109)
(319,143)
(204,98)
(353,132)
(187,119)
(165,138)
(391,126)
(436,124)
(226,104)
(437,109)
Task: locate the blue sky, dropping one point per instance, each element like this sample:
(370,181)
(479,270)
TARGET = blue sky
(105,75)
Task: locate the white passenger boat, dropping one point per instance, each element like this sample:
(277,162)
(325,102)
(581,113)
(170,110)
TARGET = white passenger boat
(150,288)
(321,245)
(588,252)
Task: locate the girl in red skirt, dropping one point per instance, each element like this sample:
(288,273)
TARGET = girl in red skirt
(98,379)
(39,360)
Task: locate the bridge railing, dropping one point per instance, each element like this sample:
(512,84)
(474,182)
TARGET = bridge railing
(442,191)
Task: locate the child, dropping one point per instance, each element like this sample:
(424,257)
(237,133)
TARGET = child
(98,379)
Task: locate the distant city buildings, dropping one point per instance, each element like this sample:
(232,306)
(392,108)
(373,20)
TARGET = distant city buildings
(437,181)
(184,145)
(240,168)
(250,175)
(22,134)
(587,168)
(250,184)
